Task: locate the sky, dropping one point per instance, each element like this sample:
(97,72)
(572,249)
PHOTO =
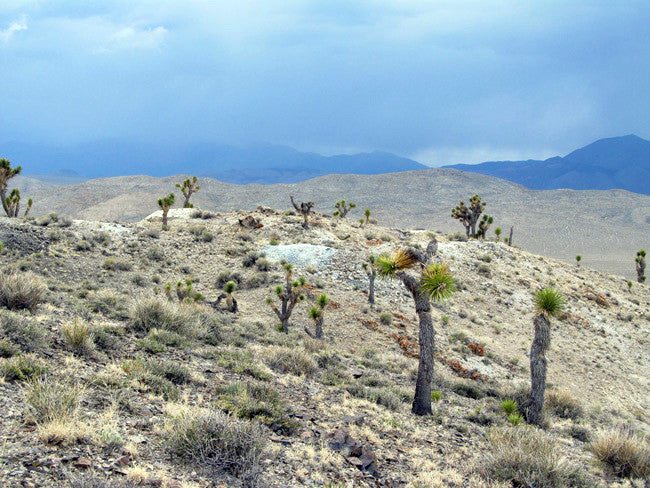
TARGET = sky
(443,82)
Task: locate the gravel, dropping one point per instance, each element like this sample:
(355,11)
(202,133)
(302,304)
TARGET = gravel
(300,255)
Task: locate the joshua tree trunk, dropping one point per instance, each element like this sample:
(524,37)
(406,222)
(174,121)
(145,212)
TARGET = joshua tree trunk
(510,238)
(422,399)
(541,342)
(371,288)
(640,270)
(164,218)
(3,195)
(305,210)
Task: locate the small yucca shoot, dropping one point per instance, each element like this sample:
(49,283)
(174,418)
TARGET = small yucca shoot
(515,419)
(578,259)
(229,288)
(438,282)
(509,406)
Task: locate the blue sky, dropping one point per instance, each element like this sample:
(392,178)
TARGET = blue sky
(440,81)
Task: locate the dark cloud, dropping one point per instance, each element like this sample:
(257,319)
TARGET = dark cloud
(445,81)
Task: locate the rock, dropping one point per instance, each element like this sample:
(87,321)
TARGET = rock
(82,463)
(250,222)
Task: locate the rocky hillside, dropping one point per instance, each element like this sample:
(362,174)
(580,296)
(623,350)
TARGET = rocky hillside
(107,382)
(605,227)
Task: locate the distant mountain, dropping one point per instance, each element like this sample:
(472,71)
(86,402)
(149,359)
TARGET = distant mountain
(613,163)
(257,163)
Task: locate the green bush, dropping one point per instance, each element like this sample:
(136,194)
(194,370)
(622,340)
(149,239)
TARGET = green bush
(79,337)
(386,318)
(149,313)
(563,404)
(509,406)
(21,332)
(48,400)
(22,367)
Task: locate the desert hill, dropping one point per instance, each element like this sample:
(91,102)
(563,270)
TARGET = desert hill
(615,162)
(605,227)
(129,371)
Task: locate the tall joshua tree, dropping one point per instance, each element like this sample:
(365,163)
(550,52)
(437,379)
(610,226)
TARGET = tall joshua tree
(435,282)
(548,303)
(342,208)
(640,266)
(188,187)
(12,203)
(165,204)
(469,216)
(289,295)
(305,210)
(6,173)
(316,314)
(371,271)
(483,226)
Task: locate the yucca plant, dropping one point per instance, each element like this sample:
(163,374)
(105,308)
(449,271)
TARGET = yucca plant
(434,283)
(6,173)
(165,204)
(12,203)
(367,214)
(343,208)
(371,271)
(305,208)
(509,406)
(640,266)
(548,303)
(316,314)
(289,295)
(228,289)
(578,259)
(188,187)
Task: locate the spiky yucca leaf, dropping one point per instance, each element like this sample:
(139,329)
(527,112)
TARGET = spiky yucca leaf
(549,302)
(315,313)
(438,282)
(230,287)
(402,258)
(323,300)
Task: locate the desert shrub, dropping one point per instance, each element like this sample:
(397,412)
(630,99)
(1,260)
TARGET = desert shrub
(226,276)
(386,318)
(256,401)
(83,245)
(436,396)
(579,432)
(155,254)
(384,396)
(563,404)
(203,214)
(170,370)
(250,259)
(242,362)
(27,335)
(48,400)
(457,236)
(152,377)
(105,337)
(93,480)
(108,303)
(484,270)
(149,313)
(22,367)
(79,337)
(138,280)
(624,453)
(216,442)
(151,233)
(255,281)
(19,291)
(7,349)
(101,238)
(528,457)
(263,264)
(289,360)
(112,264)
(468,390)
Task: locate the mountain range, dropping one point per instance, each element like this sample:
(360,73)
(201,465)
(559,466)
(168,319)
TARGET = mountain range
(615,162)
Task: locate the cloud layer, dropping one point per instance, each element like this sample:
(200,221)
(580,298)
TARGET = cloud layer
(446,81)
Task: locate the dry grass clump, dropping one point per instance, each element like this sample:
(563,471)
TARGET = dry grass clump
(108,303)
(563,404)
(93,480)
(148,313)
(289,360)
(27,335)
(19,291)
(78,336)
(22,367)
(216,442)
(626,454)
(54,407)
(526,456)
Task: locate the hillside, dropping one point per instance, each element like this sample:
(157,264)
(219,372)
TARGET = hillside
(121,396)
(612,163)
(253,163)
(605,227)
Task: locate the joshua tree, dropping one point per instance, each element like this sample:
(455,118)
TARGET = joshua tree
(548,303)
(640,266)
(12,204)
(188,187)
(343,208)
(370,270)
(367,214)
(6,173)
(304,209)
(497,232)
(165,204)
(316,314)
(629,286)
(578,259)
(289,296)
(483,226)
(510,238)
(184,291)
(435,282)
(231,303)
(469,216)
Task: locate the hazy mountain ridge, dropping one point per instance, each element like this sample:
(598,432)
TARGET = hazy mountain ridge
(616,162)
